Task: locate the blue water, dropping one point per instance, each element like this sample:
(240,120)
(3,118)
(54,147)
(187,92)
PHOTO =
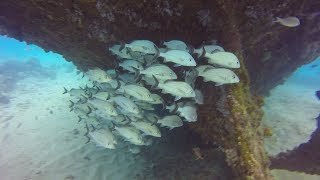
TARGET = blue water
(11,49)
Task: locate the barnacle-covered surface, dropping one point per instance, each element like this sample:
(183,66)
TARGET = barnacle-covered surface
(82,30)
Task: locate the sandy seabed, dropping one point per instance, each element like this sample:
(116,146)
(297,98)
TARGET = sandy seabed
(41,140)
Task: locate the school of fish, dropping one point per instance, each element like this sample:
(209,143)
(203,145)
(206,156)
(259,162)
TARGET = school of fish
(151,88)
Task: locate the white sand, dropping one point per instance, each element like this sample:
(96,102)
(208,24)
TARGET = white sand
(290,111)
(44,147)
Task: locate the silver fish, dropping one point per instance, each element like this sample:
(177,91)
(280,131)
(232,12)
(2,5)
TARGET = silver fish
(126,104)
(131,134)
(160,71)
(179,57)
(220,76)
(98,75)
(171,121)
(147,128)
(104,137)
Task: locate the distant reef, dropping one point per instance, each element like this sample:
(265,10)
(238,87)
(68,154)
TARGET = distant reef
(82,30)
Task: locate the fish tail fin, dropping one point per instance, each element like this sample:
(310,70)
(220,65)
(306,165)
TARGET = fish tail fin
(72,104)
(155,57)
(87,129)
(277,19)
(138,79)
(156,82)
(93,127)
(203,53)
(164,105)
(129,120)
(176,107)
(191,49)
(145,62)
(137,73)
(88,139)
(64,90)
(118,84)
(112,126)
(80,119)
(117,73)
(89,110)
(122,45)
(89,95)
(85,99)
(98,89)
(162,43)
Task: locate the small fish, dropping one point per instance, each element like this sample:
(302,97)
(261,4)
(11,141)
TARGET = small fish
(200,69)
(187,111)
(98,75)
(220,76)
(131,134)
(288,21)
(223,59)
(171,121)
(126,104)
(175,88)
(102,95)
(85,108)
(74,92)
(122,54)
(160,71)
(196,151)
(179,57)
(190,77)
(143,46)
(147,128)
(105,106)
(80,113)
(131,65)
(176,45)
(114,84)
(137,91)
(208,48)
(145,106)
(104,137)
(156,99)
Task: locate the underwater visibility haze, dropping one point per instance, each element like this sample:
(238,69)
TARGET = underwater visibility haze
(196,96)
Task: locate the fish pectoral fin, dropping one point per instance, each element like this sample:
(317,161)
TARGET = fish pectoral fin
(218,84)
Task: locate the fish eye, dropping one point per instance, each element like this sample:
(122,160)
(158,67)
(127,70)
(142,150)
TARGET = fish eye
(233,76)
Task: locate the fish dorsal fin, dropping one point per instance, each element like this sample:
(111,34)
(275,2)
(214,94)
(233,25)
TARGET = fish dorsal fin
(156,82)
(166,81)
(215,51)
